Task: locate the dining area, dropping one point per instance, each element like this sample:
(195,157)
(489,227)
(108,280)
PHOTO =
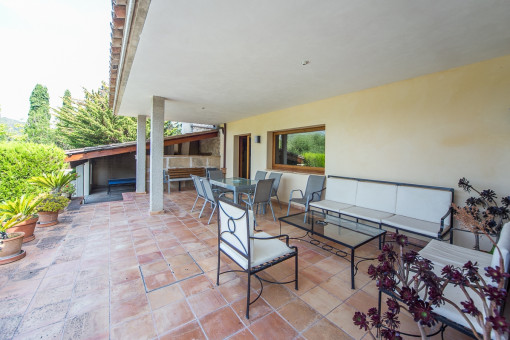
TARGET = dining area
(256,193)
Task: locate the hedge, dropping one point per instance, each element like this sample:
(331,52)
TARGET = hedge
(317,160)
(19,161)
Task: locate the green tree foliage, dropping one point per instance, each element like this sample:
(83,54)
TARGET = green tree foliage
(37,128)
(21,161)
(67,105)
(91,122)
(172,128)
(3,132)
(299,143)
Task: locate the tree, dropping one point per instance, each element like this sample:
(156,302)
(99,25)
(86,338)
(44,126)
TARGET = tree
(90,122)
(37,127)
(67,105)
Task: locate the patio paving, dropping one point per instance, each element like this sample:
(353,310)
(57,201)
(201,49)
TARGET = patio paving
(110,270)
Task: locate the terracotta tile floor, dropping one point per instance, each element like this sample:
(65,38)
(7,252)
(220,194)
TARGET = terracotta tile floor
(110,270)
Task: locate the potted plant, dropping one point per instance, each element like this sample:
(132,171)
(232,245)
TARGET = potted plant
(54,182)
(10,243)
(49,207)
(68,190)
(484,207)
(26,207)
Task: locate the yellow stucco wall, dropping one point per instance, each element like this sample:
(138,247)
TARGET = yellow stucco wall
(430,130)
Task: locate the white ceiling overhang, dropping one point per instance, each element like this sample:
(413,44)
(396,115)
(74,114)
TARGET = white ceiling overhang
(220,61)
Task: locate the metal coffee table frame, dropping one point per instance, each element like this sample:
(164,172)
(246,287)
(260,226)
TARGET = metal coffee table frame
(313,222)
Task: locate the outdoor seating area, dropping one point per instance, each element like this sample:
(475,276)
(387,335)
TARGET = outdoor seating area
(111,270)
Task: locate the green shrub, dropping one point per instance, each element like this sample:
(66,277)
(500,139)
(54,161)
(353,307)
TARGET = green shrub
(20,161)
(316,160)
(52,202)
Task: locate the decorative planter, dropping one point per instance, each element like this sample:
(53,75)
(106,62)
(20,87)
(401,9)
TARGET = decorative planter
(47,218)
(26,227)
(10,248)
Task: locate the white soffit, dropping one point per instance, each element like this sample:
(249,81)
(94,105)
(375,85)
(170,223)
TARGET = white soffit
(223,60)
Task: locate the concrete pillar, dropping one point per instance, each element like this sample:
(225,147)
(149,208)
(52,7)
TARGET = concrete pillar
(140,155)
(156,157)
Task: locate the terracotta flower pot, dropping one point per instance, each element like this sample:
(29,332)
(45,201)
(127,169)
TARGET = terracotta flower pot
(26,227)
(47,218)
(10,248)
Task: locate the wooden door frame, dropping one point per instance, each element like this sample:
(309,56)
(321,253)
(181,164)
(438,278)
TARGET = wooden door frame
(248,154)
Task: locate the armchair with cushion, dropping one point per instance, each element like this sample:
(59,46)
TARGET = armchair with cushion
(252,252)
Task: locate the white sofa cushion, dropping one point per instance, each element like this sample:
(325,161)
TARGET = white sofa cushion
(341,190)
(366,214)
(377,196)
(413,225)
(262,251)
(423,204)
(330,205)
(504,247)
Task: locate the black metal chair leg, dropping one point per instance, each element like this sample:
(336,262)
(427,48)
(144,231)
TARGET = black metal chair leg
(248,297)
(296,273)
(218,271)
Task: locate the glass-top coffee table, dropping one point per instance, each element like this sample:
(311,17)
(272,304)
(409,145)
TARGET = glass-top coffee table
(345,232)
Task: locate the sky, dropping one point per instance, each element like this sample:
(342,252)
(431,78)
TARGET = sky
(60,44)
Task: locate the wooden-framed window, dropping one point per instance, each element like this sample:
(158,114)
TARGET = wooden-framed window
(300,150)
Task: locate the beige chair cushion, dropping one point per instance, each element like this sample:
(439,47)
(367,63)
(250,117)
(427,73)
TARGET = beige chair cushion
(262,251)
(242,232)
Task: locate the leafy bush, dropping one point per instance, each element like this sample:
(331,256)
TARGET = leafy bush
(52,202)
(317,160)
(21,161)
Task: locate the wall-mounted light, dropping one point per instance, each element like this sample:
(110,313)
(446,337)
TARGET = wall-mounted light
(257,139)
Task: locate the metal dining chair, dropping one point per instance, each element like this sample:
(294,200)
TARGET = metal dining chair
(262,195)
(313,192)
(260,175)
(210,196)
(277,176)
(215,174)
(199,188)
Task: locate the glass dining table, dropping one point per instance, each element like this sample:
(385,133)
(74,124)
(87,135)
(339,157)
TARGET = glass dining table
(236,184)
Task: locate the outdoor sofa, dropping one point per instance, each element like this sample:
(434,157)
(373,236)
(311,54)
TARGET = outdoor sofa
(418,209)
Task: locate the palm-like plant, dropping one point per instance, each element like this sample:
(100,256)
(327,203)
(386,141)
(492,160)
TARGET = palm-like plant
(25,206)
(55,181)
(9,222)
